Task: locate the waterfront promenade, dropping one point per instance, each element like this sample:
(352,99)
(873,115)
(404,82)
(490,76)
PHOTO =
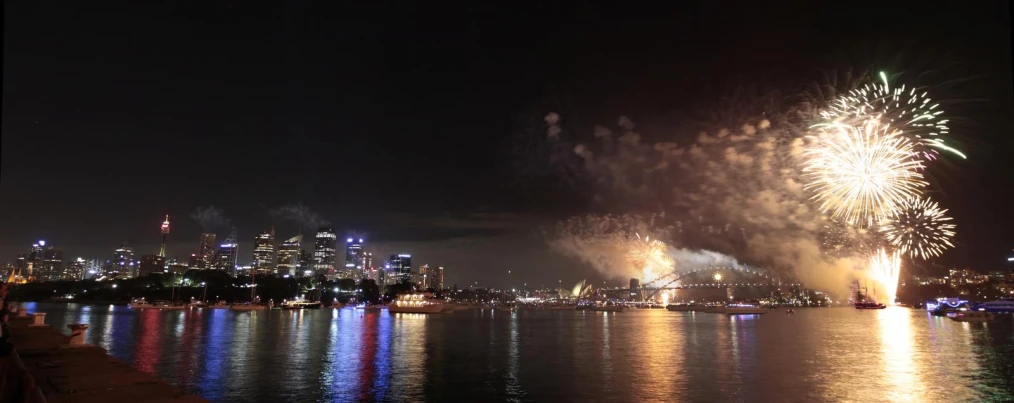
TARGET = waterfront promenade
(50,366)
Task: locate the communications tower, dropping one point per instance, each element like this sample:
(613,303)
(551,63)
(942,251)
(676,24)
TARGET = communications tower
(165,234)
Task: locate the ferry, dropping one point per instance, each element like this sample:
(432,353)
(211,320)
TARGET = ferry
(418,303)
(1002,306)
(744,309)
(971,316)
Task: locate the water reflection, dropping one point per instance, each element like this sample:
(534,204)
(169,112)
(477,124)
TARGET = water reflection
(897,362)
(896,354)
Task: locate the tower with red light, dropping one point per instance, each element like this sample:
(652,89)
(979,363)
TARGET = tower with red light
(165,234)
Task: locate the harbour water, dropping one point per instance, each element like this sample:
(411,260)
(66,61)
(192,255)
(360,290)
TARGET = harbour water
(833,354)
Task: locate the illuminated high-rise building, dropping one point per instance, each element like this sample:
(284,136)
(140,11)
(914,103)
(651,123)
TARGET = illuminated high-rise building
(264,252)
(165,234)
(305,268)
(151,264)
(354,262)
(400,266)
(324,253)
(227,254)
(206,252)
(122,263)
(419,277)
(288,256)
(74,270)
(436,278)
(52,265)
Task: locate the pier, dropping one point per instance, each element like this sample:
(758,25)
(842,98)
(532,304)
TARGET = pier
(48,366)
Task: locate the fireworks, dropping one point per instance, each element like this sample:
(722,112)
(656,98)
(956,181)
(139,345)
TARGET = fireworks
(885,268)
(860,173)
(652,257)
(910,110)
(919,228)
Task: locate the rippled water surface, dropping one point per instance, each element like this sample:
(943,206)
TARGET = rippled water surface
(837,354)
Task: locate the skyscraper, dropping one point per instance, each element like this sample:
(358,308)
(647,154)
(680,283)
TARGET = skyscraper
(52,264)
(354,265)
(206,253)
(305,268)
(437,279)
(74,270)
(264,252)
(151,264)
(122,263)
(401,268)
(419,277)
(288,256)
(324,252)
(227,254)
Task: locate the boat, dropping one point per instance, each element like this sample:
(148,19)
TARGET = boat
(299,304)
(864,302)
(1002,306)
(418,303)
(790,312)
(249,306)
(167,305)
(140,303)
(714,309)
(744,309)
(608,307)
(254,304)
(971,316)
(218,305)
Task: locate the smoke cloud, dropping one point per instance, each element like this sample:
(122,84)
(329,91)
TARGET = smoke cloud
(210,218)
(300,215)
(728,193)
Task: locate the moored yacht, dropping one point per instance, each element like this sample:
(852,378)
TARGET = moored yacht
(140,303)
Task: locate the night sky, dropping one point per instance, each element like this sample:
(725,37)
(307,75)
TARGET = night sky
(402,121)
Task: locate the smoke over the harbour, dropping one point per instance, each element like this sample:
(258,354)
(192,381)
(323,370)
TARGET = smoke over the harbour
(210,218)
(300,215)
(735,192)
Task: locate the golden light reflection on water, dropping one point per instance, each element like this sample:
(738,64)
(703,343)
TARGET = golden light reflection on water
(897,363)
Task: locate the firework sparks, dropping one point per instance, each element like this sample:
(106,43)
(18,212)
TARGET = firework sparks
(910,110)
(859,174)
(885,268)
(652,257)
(919,228)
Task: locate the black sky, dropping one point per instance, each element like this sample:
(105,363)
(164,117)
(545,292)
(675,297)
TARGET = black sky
(114,114)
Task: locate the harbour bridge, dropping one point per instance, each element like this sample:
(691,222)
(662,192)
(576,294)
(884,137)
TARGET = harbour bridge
(745,276)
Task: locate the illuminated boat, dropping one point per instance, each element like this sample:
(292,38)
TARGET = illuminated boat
(864,302)
(1001,306)
(744,309)
(298,304)
(971,316)
(609,307)
(140,304)
(418,303)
